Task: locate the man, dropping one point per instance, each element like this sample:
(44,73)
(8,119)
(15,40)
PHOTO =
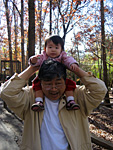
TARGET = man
(54,128)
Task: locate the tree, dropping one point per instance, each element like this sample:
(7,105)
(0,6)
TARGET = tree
(9,34)
(67,10)
(50,28)
(59,17)
(15,30)
(22,36)
(31,31)
(40,24)
(41,32)
(105,76)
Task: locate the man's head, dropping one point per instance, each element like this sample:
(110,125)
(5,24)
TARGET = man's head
(52,75)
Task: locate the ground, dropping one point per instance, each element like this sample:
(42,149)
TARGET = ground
(10,130)
(101,124)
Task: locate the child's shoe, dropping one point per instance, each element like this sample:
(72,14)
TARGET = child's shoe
(71,105)
(38,106)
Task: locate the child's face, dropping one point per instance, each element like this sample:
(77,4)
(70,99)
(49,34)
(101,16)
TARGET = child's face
(53,50)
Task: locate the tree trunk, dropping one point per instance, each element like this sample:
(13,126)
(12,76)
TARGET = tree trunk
(50,29)
(22,36)
(31,31)
(40,28)
(9,36)
(15,30)
(105,76)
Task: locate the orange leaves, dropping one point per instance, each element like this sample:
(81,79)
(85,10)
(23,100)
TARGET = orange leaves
(95,58)
(78,35)
(45,11)
(97,0)
(112,51)
(94,26)
(89,18)
(111,60)
(106,10)
(89,30)
(79,17)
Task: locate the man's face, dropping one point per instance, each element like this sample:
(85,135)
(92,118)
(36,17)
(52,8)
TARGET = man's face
(53,89)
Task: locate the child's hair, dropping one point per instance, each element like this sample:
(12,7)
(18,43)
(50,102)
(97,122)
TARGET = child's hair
(56,39)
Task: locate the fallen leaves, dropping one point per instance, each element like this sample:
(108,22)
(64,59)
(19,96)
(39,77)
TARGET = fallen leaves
(101,123)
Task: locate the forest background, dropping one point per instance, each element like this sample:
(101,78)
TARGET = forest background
(85,25)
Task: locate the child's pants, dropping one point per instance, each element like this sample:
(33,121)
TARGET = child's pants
(70,84)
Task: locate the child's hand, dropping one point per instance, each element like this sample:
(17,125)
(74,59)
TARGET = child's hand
(74,67)
(34,60)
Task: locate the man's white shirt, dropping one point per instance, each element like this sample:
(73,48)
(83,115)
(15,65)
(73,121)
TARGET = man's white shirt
(52,134)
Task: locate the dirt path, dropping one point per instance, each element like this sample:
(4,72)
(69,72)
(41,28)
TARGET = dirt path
(10,130)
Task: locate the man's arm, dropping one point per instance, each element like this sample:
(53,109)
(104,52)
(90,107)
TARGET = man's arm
(15,95)
(80,73)
(27,73)
(91,93)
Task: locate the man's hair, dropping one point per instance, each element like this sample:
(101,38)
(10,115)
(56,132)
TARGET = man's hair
(51,69)
(56,39)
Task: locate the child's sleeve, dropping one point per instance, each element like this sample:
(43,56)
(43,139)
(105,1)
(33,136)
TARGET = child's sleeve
(39,61)
(68,60)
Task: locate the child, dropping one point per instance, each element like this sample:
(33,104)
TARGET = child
(54,49)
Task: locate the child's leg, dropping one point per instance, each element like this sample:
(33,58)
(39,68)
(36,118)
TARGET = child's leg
(70,86)
(39,96)
(38,105)
(69,95)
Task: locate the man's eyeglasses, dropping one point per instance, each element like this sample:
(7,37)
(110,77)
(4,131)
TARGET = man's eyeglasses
(50,86)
